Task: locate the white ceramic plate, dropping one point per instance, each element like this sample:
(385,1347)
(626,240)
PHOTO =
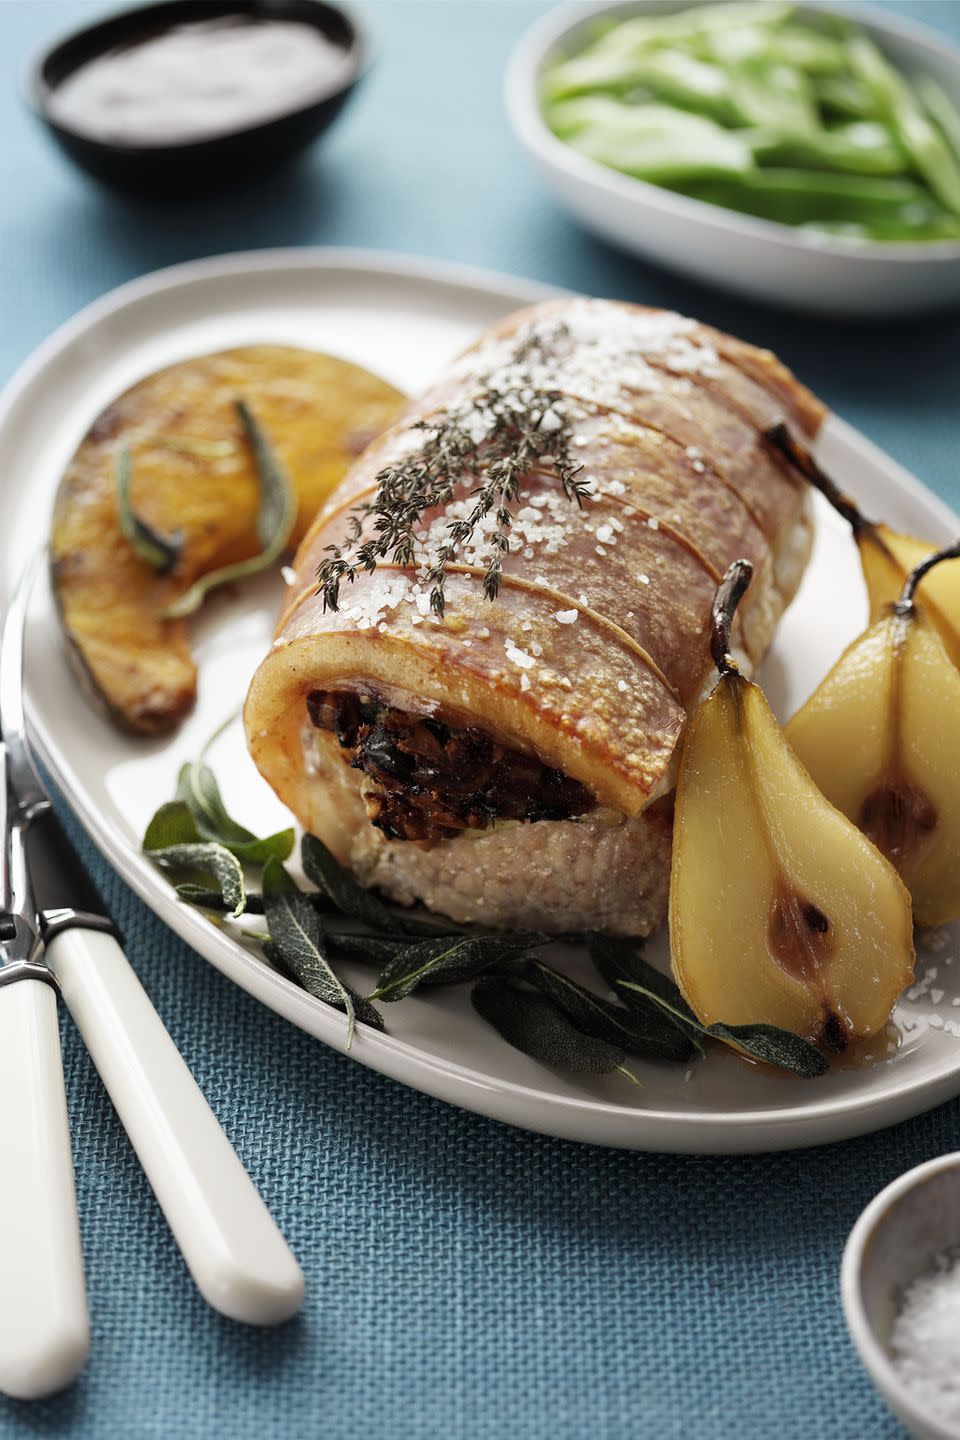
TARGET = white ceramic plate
(404,319)
(778,263)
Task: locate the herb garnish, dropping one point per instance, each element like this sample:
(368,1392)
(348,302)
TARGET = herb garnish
(530,1022)
(297,943)
(160,551)
(278,510)
(495,438)
(537,1008)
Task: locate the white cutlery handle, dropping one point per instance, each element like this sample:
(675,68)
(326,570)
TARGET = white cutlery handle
(235,1253)
(44,1324)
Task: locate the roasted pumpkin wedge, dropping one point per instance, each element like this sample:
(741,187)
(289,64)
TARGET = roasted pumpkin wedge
(193,475)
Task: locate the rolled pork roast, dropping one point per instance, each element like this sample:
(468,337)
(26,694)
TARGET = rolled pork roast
(510,761)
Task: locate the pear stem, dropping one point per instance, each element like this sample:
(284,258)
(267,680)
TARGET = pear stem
(786,444)
(730,591)
(905,605)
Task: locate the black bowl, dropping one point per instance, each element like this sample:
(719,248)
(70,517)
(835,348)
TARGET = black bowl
(188,168)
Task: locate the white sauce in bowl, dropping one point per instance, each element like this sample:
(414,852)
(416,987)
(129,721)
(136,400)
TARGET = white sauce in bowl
(199,80)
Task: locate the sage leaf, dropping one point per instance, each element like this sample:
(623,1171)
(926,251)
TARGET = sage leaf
(448,959)
(534,1025)
(651,995)
(376,949)
(209,858)
(649,1034)
(277,880)
(297,946)
(763,1042)
(197,788)
(159,551)
(775,1046)
(277,512)
(171,825)
(205,899)
(349,897)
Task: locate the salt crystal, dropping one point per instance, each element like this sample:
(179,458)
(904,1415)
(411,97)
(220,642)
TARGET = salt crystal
(605,534)
(936,996)
(518,656)
(654,523)
(644,579)
(583,600)
(566,617)
(288,574)
(600,550)
(526,625)
(536,649)
(622,686)
(925,1341)
(524,681)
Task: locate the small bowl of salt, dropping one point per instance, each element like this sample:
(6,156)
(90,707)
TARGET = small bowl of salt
(900,1283)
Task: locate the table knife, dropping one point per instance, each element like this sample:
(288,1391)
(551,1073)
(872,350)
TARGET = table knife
(232,1247)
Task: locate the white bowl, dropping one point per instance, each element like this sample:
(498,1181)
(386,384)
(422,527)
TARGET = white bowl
(759,258)
(896,1239)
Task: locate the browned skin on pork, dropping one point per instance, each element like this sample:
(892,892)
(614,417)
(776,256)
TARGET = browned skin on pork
(596,647)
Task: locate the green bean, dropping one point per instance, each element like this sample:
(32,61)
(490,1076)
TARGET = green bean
(792,45)
(941,109)
(807,197)
(924,144)
(775,96)
(946,227)
(669,75)
(864,147)
(846,95)
(651,142)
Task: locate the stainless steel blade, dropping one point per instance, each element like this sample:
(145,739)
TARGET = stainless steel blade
(22,794)
(26,793)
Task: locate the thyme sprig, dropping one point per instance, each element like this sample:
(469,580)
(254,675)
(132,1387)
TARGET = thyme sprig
(495,438)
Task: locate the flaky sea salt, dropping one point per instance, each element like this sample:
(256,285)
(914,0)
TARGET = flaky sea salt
(925,1342)
(518,656)
(566,617)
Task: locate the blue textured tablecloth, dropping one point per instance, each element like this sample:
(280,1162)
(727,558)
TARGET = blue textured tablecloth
(465,1281)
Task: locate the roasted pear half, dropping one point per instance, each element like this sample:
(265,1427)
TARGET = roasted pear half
(193,476)
(781,911)
(887,556)
(879,737)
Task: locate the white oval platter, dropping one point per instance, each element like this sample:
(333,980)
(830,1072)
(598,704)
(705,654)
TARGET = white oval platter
(404,319)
